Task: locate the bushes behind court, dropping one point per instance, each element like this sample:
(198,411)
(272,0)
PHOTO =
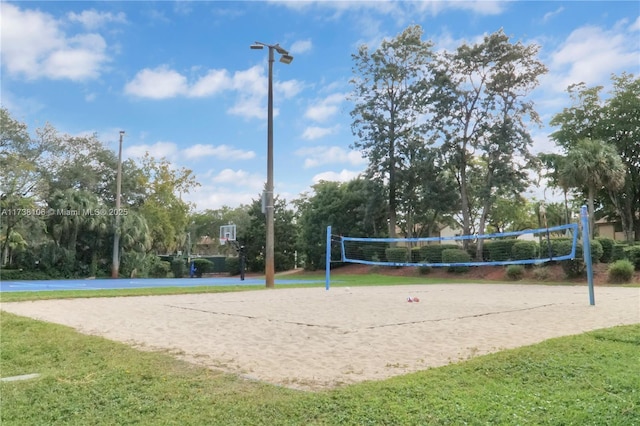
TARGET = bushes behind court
(620,271)
(397,254)
(456,256)
(433,253)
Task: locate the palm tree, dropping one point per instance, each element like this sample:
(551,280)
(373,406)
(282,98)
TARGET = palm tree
(592,164)
(71,209)
(135,234)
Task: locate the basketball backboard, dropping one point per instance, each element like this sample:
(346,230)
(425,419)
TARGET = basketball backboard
(227,233)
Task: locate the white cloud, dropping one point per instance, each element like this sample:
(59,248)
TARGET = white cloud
(77,61)
(214,197)
(239,178)
(157,150)
(215,81)
(324,109)
(342,176)
(636,25)
(315,132)
(159,83)
(321,155)
(223,152)
(590,55)
(547,16)
(288,89)
(250,85)
(34,46)
(402,12)
(225,187)
(543,143)
(92,19)
(300,46)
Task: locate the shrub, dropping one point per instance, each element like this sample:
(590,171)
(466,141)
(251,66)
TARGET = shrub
(633,254)
(561,247)
(500,250)
(233,265)
(472,249)
(597,251)
(456,256)
(433,253)
(160,269)
(374,251)
(396,254)
(607,249)
(415,255)
(178,267)
(283,261)
(203,266)
(572,268)
(525,250)
(515,272)
(218,263)
(617,252)
(20,274)
(424,270)
(132,264)
(620,271)
(541,273)
(351,251)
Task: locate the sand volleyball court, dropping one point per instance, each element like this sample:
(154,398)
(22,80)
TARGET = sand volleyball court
(310,338)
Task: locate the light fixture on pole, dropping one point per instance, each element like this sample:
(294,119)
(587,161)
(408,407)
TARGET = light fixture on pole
(115,264)
(269,265)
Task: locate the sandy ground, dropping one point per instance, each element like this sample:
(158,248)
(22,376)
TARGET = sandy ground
(311,338)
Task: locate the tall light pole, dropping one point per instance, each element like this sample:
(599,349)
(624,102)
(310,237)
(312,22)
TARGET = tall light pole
(115,263)
(269,267)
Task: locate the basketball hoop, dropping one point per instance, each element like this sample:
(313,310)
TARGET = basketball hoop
(227,233)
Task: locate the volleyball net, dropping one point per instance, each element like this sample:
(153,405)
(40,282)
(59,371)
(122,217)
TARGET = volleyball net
(527,247)
(533,246)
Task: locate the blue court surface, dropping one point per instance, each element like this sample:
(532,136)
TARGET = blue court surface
(124,283)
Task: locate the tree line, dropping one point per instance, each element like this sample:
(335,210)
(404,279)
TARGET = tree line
(446,135)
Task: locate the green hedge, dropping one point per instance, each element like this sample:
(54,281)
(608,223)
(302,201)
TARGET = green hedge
(456,256)
(617,252)
(524,250)
(607,249)
(633,254)
(433,253)
(232,265)
(160,269)
(20,274)
(416,257)
(374,252)
(500,250)
(203,266)
(179,267)
(576,268)
(397,254)
(559,247)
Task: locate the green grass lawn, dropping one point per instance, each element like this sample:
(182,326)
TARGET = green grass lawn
(592,378)
(589,379)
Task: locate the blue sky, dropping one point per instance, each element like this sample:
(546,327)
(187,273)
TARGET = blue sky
(180,80)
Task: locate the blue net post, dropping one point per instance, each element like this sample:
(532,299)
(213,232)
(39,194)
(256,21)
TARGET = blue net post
(327,268)
(586,250)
